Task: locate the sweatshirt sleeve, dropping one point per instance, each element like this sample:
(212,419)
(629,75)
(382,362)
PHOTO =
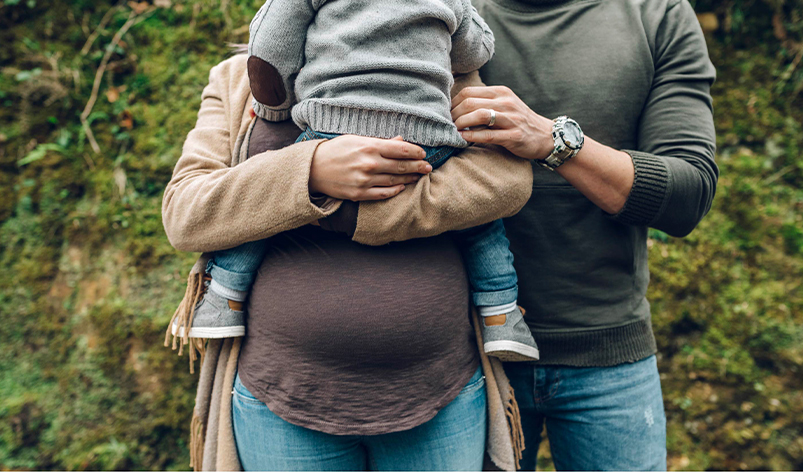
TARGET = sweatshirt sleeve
(209,206)
(276,54)
(472,42)
(675,172)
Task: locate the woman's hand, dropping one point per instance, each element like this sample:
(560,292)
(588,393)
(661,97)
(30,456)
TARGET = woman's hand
(358,168)
(522,131)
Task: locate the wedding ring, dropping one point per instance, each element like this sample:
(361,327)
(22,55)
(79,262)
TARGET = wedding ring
(492,121)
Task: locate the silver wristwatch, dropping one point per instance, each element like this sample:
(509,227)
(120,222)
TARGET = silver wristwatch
(568,139)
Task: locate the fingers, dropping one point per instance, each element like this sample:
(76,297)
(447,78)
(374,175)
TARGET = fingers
(488,136)
(473,104)
(402,166)
(482,117)
(379,193)
(475,92)
(391,180)
(397,148)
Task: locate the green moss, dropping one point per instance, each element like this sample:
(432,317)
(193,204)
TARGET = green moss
(86,382)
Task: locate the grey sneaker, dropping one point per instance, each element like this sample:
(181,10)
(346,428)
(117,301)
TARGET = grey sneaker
(215,317)
(511,341)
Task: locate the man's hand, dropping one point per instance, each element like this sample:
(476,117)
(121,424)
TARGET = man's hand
(520,130)
(603,174)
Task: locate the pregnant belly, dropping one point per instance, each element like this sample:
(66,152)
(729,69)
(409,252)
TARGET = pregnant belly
(321,298)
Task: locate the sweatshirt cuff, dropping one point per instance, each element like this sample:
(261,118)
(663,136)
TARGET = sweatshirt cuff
(649,193)
(320,205)
(344,220)
(324,202)
(306,207)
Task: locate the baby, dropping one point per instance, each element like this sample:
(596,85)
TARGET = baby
(379,68)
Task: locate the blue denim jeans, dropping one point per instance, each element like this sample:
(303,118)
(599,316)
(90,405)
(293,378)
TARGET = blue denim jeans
(453,440)
(597,418)
(436,156)
(488,259)
(489,264)
(236,268)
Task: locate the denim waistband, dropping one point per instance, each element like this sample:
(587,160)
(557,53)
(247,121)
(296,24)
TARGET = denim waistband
(436,155)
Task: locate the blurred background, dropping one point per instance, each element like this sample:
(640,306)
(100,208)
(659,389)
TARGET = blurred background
(96,98)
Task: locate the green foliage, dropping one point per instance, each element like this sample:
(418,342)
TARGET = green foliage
(728,300)
(90,280)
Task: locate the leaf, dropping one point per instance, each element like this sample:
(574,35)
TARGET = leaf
(138,7)
(658,235)
(64,138)
(28,74)
(708,22)
(113,94)
(38,153)
(778,28)
(127,120)
(97,115)
(120,179)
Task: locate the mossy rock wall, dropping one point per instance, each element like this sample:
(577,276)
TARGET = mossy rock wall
(89,280)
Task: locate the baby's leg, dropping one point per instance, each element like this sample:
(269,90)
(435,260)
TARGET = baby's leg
(489,262)
(494,286)
(233,270)
(220,314)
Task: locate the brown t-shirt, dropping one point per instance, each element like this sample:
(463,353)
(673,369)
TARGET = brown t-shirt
(351,339)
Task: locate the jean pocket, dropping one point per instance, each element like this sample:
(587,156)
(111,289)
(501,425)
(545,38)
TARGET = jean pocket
(243,394)
(476,382)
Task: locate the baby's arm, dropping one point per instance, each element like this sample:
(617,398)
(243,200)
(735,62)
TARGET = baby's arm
(276,54)
(472,43)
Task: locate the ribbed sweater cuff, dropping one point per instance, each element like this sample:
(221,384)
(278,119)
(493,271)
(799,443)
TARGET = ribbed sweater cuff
(649,193)
(271,114)
(327,118)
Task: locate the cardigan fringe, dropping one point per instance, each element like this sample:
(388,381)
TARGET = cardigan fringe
(516,430)
(182,318)
(197,433)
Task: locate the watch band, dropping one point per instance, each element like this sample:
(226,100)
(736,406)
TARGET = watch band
(561,152)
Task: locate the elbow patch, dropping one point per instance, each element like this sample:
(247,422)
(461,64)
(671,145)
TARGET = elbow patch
(267,85)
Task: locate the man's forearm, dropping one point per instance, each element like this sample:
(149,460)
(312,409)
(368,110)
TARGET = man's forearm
(603,174)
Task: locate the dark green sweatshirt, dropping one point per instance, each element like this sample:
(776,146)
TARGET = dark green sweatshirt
(635,74)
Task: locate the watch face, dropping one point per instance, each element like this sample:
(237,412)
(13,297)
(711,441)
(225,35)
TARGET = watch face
(571,134)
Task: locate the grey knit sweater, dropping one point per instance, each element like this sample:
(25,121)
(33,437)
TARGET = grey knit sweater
(378,68)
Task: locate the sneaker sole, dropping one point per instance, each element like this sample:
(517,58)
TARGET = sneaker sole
(511,351)
(211,333)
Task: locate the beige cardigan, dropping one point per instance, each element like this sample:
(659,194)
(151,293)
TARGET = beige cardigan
(217,199)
